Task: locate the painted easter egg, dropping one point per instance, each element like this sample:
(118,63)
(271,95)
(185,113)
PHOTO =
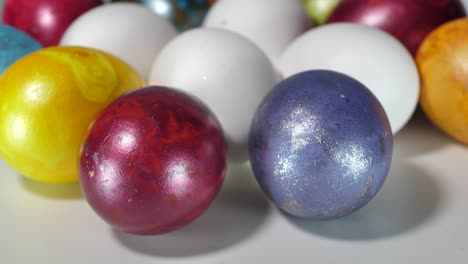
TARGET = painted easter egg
(410,21)
(153,161)
(320,145)
(45,20)
(320,10)
(47,101)
(184,14)
(444,74)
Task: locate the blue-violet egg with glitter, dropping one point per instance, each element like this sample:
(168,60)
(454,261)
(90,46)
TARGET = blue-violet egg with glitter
(320,145)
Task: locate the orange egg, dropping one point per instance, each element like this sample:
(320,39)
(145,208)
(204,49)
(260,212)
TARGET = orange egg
(443,65)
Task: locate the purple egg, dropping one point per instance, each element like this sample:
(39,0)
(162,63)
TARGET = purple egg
(320,145)
(410,21)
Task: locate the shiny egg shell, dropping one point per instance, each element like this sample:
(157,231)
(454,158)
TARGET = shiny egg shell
(442,61)
(410,21)
(153,161)
(320,10)
(184,14)
(45,20)
(47,101)
(320,145)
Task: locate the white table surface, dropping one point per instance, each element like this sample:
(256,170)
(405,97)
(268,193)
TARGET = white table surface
(420,216)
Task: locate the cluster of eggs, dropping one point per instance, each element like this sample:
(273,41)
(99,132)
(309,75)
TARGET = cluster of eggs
(314,109)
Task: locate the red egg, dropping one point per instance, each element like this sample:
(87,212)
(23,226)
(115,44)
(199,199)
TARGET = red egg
(153,161)
(410,21)
(45,20)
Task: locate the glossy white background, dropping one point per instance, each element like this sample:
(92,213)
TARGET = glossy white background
(420,216)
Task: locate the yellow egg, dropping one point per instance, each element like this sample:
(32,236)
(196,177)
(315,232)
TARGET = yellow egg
(47,101)
(443,65)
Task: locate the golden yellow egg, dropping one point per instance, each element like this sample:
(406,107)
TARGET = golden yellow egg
(443,64)
(47,101)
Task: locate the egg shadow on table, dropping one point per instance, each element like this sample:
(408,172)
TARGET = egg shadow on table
(420,129)
(237,213)
(409,198)
(66,191)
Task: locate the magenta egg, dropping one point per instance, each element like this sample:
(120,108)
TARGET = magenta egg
(153,161)
(45,20)
(410,21)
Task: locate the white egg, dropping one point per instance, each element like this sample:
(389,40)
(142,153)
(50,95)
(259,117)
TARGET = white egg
(271,24)
(226,71)
(465,4)
(129,31)
(371,56)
